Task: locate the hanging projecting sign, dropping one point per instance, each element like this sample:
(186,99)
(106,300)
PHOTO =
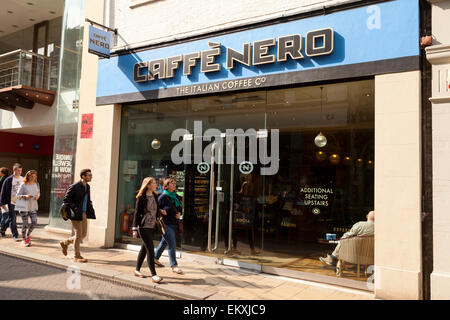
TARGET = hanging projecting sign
(99,42)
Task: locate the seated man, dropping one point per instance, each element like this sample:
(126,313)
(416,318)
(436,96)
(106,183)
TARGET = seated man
(362,228)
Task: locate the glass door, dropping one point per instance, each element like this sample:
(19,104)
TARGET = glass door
(222,180)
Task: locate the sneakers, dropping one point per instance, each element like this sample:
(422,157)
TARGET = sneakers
(138,274)
(255,252)
(15,239)
(177,270)
(328,260)
(159,264)
(26,242)
(80,259)
(156,279)
(63,248)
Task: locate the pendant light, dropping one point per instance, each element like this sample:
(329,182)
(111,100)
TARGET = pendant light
(320,140)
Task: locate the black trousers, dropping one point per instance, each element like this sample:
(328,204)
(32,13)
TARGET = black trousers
(148,249)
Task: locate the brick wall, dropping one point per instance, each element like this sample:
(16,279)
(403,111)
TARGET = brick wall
(154,20)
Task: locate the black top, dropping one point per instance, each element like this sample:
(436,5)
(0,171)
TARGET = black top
(74,199)
(5,191)
(165,203)
(140,209)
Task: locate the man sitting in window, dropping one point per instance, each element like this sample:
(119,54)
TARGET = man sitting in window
(362,228)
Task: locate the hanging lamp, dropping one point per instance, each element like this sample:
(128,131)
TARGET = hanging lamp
(320,140)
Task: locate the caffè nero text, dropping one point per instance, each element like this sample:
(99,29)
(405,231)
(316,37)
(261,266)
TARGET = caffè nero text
(317,43)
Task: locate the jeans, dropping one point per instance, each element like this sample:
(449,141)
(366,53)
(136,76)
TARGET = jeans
(146,249)
(27,228)
(168,239)
(9,220)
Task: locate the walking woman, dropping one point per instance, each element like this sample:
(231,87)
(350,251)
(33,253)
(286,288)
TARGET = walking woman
(170,202)
(29,190)
(147,211)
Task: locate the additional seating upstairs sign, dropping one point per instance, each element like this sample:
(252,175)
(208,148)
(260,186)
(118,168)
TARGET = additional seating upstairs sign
(99,42)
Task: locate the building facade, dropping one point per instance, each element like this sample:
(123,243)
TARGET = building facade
(282,123)
(439,56)
(30,50)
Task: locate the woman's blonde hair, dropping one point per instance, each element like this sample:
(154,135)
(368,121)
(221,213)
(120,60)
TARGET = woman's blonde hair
(28,174)
(144,186)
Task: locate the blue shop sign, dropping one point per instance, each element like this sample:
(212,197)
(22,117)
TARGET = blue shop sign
(363,41)
(99,42)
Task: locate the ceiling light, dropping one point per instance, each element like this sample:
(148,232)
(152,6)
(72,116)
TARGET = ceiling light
(32,19)
(9,11)
(367,94)
(30,3)
(52,12)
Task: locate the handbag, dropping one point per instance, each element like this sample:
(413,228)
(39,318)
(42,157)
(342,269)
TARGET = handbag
(22,205)
(161,224)
(180,227)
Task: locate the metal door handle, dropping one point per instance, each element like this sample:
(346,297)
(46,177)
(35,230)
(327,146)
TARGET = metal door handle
(211,196)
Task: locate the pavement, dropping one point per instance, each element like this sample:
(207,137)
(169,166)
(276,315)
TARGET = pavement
(202,279)
(26,280)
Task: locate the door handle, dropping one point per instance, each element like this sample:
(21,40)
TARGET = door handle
(219,172)
(211,196)
(230,222)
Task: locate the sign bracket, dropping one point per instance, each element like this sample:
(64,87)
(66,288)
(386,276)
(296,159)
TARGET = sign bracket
(101,25)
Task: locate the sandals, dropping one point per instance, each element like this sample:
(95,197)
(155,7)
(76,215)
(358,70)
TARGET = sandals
(177,270)
(138,274)
(159,264)
(156,279)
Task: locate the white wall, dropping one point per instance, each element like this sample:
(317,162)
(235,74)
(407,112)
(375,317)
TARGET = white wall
(39,116)
(398,253)
(439,57)
(155,20)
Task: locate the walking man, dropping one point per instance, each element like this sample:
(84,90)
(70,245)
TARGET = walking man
(8,198)
(78,199)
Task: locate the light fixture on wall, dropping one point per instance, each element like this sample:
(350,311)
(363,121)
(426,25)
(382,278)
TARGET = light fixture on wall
(156,144)
(320,140)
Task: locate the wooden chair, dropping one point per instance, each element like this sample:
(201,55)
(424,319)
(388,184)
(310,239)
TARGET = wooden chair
(356,250)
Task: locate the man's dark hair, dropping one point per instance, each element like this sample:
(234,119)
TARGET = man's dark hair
(17,165)
(4,170)
(84,172)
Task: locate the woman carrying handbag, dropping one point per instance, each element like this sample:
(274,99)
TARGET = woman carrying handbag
(29,193)
(170,202)
(144,221)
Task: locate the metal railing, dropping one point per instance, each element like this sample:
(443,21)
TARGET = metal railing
(21,67)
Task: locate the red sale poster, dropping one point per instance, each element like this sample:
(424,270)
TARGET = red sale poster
(87,125)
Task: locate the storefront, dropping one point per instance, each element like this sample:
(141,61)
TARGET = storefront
(269,132)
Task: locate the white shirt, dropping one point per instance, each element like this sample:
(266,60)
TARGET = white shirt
(15,187)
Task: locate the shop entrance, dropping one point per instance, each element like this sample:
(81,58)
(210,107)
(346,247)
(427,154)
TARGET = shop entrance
(257,184)
(220,194)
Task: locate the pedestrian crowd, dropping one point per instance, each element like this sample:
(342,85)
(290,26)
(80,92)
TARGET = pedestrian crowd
(19,196)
